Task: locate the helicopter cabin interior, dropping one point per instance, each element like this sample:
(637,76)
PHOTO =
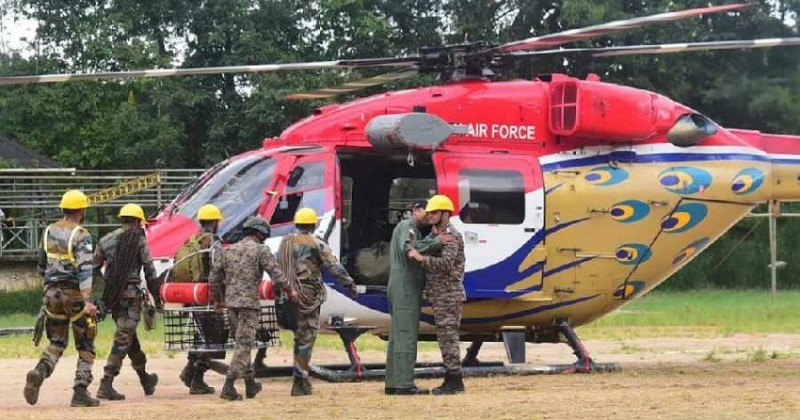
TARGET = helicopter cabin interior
(377,191)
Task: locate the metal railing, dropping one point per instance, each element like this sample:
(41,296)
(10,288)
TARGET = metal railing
(30,197)
(42,189)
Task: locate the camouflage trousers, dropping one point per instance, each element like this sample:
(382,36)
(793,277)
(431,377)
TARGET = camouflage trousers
(126,316)
(64,306)
(447,315)
(244,322)
(304,338)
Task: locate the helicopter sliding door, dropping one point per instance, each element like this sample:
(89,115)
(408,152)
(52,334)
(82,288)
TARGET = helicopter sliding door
(500,212)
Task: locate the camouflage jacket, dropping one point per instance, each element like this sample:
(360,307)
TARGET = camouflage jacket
(105,250)
(445,272)
(237,273)
(310,255)
(406,235)
(60,262)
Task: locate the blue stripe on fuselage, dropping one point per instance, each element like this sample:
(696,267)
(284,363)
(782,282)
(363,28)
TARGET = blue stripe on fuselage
(661,157)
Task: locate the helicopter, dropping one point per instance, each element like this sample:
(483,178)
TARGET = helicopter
(574,196)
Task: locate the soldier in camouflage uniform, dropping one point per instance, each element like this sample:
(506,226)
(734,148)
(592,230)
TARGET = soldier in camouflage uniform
(125,253)
(235,279)
(302,257)
(199,363)
(65,262)
(444,288)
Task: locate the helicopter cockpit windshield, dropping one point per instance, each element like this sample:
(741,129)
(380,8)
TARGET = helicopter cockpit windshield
(236,188)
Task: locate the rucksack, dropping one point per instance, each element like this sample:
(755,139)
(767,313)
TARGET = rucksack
(189,266)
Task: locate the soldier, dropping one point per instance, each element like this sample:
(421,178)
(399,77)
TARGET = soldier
(406,281)
(125,253)
(302,257)
(65,262)
(209,217)
(235,278)
(444,288)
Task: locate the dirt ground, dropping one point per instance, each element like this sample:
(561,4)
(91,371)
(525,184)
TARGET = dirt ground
(738,377)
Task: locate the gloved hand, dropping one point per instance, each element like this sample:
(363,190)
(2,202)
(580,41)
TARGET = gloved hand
(101,309)
(354,291)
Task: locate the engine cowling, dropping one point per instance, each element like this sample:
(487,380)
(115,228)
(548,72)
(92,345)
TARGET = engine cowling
(600,111)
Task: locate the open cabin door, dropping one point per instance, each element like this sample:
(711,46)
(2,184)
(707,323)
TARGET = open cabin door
(500,203)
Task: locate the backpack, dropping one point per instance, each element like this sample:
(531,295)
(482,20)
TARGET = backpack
(189,259)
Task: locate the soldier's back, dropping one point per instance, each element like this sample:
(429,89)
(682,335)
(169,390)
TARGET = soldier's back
(242,273)
(64,242)
(307,261)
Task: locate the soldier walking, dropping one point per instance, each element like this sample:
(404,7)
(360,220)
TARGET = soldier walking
(235,278)
(444,288)
(206,240)
(125,253)
(65,262)
(302,257)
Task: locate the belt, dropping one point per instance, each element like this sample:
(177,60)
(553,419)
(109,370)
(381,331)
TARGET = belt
(61,317)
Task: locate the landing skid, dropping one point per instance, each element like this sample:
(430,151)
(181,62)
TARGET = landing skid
(357,371)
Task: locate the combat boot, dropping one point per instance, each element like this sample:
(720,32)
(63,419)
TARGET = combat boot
(252,387)
(107,391)
(307,386)
(453,384)
(199,386)
(187,374)
(299,389)
(81,398)
(229,391)
(33,381)
(148,381)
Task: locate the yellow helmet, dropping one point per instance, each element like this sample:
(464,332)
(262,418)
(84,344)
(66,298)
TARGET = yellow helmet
(305,216)
(439,203)
(74,200)
(132,210)
(209,212)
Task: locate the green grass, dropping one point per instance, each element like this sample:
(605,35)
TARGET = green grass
(665,314)
(20,301)
(700,313)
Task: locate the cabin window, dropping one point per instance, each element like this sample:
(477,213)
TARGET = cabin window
(282,221)
(308,190)
(491,196)
(313,177)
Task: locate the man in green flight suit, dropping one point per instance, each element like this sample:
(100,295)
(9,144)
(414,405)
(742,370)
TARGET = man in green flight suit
(406,281)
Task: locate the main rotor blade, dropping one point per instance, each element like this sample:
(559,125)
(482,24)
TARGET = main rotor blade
(354,85)
(554,40)
(669,48)
(261,68)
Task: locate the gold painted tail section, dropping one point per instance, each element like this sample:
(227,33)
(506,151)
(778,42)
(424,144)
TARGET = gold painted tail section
(784,155)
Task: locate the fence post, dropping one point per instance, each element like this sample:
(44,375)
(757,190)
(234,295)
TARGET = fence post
(158,188)
(774,211)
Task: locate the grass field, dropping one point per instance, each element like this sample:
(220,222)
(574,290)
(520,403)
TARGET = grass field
(702,314)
